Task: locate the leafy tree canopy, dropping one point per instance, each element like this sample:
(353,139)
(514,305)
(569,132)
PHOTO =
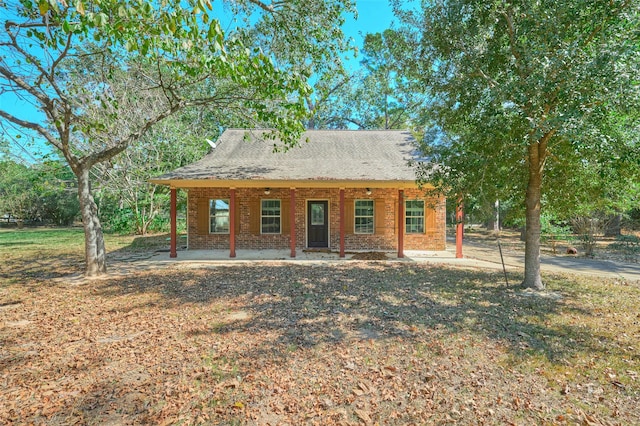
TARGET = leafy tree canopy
(105,72)
(529,99)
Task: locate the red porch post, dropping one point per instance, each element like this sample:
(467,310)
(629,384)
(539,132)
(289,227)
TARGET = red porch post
(232,222)
(459,227)
(173,250)
(400,223)
(342,218)
(292,221)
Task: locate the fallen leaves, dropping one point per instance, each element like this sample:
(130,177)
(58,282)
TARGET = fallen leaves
(363,343)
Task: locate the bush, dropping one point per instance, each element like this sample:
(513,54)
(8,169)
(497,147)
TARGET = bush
(554,231)
(589,229)
(121,221)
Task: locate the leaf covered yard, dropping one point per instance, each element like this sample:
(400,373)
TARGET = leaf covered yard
(342,343)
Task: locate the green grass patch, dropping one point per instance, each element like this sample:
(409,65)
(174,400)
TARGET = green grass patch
(50,238)
(50,252)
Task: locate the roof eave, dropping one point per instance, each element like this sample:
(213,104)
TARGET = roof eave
(319,183)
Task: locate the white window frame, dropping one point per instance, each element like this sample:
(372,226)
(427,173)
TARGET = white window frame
(356,216)
(262,216)
(213,216)
(406,216)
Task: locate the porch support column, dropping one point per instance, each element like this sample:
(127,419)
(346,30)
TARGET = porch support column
(173,250)
(400,223)
(232,222)
(292,221)
(342,222)
(459,227)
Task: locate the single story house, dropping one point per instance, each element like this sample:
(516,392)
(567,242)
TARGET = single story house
(339,190)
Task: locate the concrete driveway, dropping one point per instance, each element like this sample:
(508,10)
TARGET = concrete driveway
(490,255)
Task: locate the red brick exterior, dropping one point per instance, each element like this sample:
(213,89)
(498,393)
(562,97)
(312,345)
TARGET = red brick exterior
(387,239)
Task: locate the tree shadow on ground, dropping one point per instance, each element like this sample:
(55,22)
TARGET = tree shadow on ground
(309,305)
(41,266)
(145,243)
(136,348)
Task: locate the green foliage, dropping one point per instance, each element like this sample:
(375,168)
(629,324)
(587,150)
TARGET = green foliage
(375,97)
(17,193)
(529,101)
(552,227)
(44,192)
(554,231)
(128,202)
(501,75)
(58,193)
(105,72)
(633,219)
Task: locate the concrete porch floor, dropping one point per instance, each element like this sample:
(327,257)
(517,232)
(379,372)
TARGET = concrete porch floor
(312,256)
(475,256)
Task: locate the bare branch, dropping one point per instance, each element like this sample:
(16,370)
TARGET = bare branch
(11,76)
(63,55)
(32,126)
(266,7)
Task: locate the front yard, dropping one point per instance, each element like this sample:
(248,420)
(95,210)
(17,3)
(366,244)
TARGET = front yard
(348,343)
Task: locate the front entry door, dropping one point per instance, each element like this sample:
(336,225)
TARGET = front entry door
(318,220)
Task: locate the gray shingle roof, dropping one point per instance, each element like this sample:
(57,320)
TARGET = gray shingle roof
(346,155)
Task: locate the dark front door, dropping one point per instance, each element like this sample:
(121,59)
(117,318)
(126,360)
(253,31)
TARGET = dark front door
(318,220)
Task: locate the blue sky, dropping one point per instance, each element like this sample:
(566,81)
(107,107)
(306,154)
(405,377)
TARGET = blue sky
(373,16)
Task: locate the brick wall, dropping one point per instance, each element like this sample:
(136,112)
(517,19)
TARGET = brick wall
(247,238)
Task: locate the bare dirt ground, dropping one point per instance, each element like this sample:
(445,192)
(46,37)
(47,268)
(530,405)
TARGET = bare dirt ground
(606,248)
(364,342)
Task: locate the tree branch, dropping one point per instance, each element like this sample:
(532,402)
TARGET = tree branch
(542,148)
(11,76)
(513,45)
(266,7)
(32,126)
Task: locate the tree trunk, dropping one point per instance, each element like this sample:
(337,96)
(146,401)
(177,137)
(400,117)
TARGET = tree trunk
(95,255)
(613,226)
(532,277)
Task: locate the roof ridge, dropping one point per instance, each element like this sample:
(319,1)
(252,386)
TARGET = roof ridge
(249,129)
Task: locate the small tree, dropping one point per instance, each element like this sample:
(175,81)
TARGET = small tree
(126,196)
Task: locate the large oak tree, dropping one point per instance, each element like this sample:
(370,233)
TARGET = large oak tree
(526,97)
(103,72)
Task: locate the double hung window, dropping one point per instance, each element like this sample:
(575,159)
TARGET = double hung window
(364,217)
(414,216)
(270,214)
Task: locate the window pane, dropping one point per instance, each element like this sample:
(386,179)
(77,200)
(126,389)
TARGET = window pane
(219,207)
(363,217)
(364,207)
(414,213)
(270,225)
(219,216)
(270,222)
(317,214)
(415,225)
(364,225)
(220,225)
(271,207)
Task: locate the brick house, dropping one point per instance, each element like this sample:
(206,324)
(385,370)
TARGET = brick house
(339,190)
